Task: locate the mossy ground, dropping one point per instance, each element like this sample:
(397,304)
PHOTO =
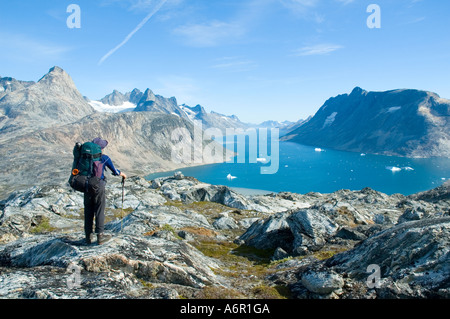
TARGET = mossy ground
(247,268)
(42,226)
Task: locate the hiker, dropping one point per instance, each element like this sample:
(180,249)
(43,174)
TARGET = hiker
(95,200)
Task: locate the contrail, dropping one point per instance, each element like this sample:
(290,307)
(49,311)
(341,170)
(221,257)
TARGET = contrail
(129,36)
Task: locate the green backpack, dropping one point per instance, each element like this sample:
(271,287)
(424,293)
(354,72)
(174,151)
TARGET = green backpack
(87,167)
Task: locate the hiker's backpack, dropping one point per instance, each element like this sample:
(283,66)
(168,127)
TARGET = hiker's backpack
(87,167)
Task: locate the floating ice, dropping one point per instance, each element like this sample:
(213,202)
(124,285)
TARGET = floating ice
(318,149)
(393,168)
(230,177)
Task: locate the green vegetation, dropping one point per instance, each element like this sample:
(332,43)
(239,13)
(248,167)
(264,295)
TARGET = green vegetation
(42,226)
(245,266)
(116,213)
(329,252)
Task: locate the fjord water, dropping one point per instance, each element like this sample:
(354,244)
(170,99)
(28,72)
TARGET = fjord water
(304,169)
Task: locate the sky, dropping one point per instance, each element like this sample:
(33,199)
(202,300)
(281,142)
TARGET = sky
(257,59)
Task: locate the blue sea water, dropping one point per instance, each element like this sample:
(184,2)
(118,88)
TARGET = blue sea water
(304,169)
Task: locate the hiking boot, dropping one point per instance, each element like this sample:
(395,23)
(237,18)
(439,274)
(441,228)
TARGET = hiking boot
(88,239)
(102,238)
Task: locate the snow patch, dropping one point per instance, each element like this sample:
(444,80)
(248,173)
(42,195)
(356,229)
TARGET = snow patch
(329,120)
(190,114)
(393,109)
(106,108)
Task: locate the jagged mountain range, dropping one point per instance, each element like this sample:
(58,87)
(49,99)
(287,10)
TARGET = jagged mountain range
(137,101)
(409,123)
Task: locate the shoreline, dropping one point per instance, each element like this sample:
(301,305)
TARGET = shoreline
(240,190)
(251,191)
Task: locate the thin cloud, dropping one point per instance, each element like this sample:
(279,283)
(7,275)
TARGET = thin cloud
(234,64)
(210,34)
(345,2)
(129,36)
(22,47)
(319,49)
(299,6)
(307,8)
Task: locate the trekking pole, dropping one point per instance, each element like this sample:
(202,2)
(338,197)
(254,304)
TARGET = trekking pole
(123,196)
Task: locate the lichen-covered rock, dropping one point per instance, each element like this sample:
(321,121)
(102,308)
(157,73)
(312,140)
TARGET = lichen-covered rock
(414,254)
(322,282)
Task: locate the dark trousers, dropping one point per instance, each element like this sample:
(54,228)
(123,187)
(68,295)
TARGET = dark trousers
(94,207)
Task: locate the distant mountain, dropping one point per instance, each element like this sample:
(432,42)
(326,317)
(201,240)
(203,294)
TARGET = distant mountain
(28,106)
(213,119)
(136,101)
(275,124)
(408,123)
(284,127)
(150,102)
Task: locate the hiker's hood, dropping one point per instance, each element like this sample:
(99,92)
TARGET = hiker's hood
(100,142)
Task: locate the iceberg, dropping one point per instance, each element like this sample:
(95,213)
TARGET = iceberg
(230,177)
(318,149)
(398,169)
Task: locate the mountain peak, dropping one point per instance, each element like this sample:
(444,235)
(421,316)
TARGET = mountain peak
(115,98)
(57,77)
(358,91)
(56,69)
(148,96)
(54,99)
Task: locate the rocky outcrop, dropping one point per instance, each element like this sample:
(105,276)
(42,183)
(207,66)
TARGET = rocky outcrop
(343,214)
(123,261)
(410,260)
(413,257)
(178,237)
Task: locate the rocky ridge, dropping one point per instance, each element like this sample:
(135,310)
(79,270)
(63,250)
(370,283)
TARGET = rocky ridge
(177,237)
